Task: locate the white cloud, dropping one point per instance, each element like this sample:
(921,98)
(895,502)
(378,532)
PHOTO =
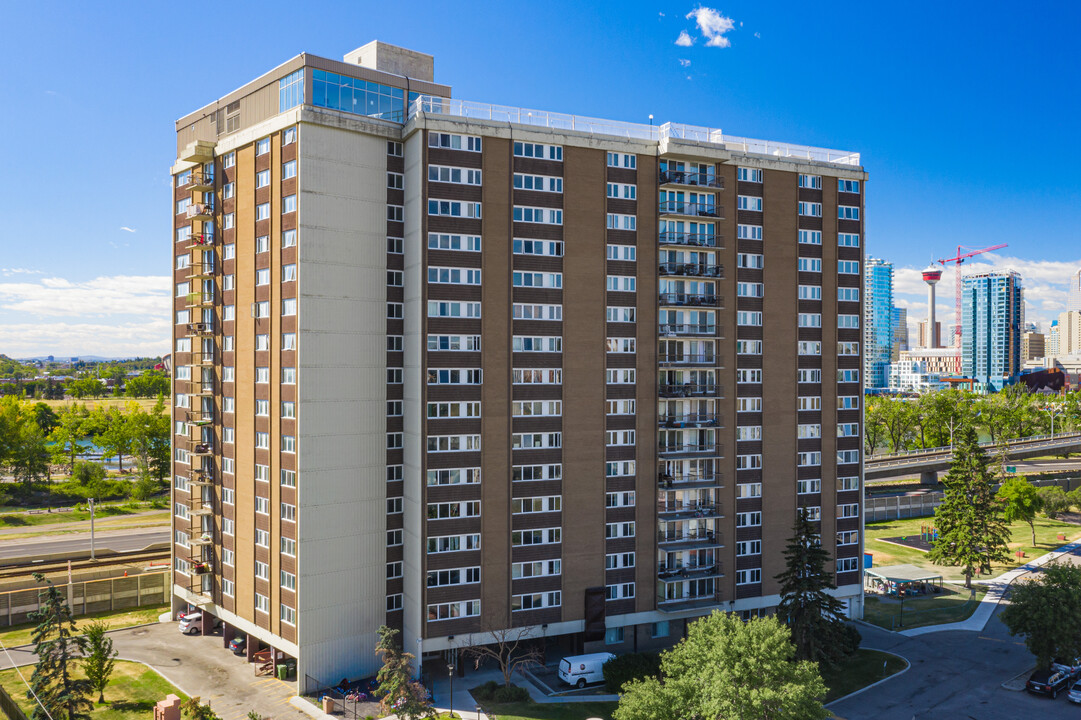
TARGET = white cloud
(148,295)
(1044,283)
(125,228)
(685,63)
(684,39)
(8,272)
(758,35)
(661,14)
(142,339)
(713,26)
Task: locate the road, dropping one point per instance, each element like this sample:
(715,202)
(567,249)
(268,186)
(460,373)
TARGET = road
(1024,467)
(956,674)
(118,540)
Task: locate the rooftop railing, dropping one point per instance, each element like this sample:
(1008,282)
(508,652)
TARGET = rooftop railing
(427,104)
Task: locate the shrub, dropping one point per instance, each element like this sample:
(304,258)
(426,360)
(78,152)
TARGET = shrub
(849,639)
(485,691)
(509,694)
(1053,499)
(632,666)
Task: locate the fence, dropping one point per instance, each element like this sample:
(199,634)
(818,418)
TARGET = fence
(9,707)
(90,596)
(899,507)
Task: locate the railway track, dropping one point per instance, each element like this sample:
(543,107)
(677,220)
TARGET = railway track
(23,569)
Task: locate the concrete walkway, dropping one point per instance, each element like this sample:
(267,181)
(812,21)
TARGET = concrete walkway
(996,588)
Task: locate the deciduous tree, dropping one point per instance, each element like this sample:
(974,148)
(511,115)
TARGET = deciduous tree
(972,532)
(1020,502)
(729,669)
(1047,611)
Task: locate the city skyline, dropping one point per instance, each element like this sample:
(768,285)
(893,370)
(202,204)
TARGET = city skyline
(94,286)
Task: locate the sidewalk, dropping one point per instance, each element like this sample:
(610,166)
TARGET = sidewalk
(996,588)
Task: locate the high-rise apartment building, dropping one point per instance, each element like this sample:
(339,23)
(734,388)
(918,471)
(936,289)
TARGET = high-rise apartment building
(878,324)
(1073,292)
(1051,343)
(458,368)
(1032,346)
(926,340)
(991,327)
(900,333)
(1069,332)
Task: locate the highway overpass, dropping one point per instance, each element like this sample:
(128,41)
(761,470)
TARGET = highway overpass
(928,463)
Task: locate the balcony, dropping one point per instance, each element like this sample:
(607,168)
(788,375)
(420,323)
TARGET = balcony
(667,330)
(688,572)
(200,478)
(201,541)
(201,511)
(692,270)
(709,360)
(200,211)
(201,182)
(674,450)
(687,482)
(200,271)
(201,328)
(682,390)
(201,568)
(201,239)
(197,151)
(687,208)
(687,239)
(688,511)
(202,448)
(689,299)
(688,420)
(673,541)
(200,299)
(203,389)
(696,179)
(692,602)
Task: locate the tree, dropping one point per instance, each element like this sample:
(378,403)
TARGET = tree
(1020,502)
(511,650)
(45,417)
(899,421)
(29,457)
(117,435)
(940,413)
(874,430)
(150,438)
(60,696)
(813,616)
(402,695)
(971,530)
(196,710)
(728,669)
(68,436)
(100,657)
(150,383)
(1047,611)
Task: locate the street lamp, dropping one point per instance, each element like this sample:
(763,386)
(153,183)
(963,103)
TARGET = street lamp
(1052,410)
(450,674)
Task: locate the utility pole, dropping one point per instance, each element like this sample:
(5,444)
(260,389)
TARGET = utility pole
(92,528)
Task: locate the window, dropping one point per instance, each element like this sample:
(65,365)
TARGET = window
(289,443)
(810,264)
(289,238)
(750,576)
(469,343)
(396,213)
(850,510)
(749,174)
(749,202)
(808,403)
(747,317)
(748,347)
(289,204)
(749,232)
(541,183)
(262,146)
(848,212)
(619,376)
(262,440)
(536,150)
(617,592)
(747,260)
(526,473)
(622,191)
(748,462)
(850,186)
(809,347)
(615,561)
(808,487)
(845,484)
(288,615)
(622,222)
(848,348)
(808,459)
(453,142)
(749,404)
(810,292)
(438,308)
(262,211)
(262,538)
(288,512)
(847,564)
(544,536)
(748,376)
(810,181)
(810,209)
(624,160)
(848,240)
(659,629)
(745,289)
(536,601)
(622,252)
(538,312)
(808,431)
(848,429)
(289,136)
(396,181)
(848,267)
(848,294)
(545,216)
(545,343)
(748,547)
(453,276)
(228,191)
(536,279)
(453,610)
(289,306)
(810,320)
(845,457)
(436,241)
(454,208)
(394,570)
(748,432)
(262,407)
(262,178)
(394,149)
(848,537)
(748,519)
(810,237)
(621,283)
(262,570)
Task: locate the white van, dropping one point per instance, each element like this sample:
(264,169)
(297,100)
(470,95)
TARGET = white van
(578,670)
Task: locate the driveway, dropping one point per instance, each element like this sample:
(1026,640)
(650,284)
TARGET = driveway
(199,666)
(954,674)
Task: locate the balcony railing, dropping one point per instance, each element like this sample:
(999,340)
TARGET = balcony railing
(199,181)
(201,568)
(692,269)
(669,450)
(706,537)
(668,482)
(199,299)
(691,239)
(201,477)
(688,572)
(688,420)
(200,211)
(670,360)
(693,209)
(667,330)
(201,239)
(690,510)
(203,448)
(691,299)
(687,390)
(699,179)
(200,328)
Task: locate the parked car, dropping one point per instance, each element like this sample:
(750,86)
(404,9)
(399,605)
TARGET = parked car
(1075,693)
(191,623)
(1048,682)
(578,670)
(1070,667)
(239,645)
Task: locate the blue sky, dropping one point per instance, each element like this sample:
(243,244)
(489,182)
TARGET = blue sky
(966,116)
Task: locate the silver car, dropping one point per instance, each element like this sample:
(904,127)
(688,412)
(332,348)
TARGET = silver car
(1075,693)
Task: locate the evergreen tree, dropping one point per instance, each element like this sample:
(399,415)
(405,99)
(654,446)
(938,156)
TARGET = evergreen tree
(59,695)
(814,617)
(100,657)
(402,696)
(972,532)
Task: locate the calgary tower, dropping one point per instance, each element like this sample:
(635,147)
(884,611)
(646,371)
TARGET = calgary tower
(931,276)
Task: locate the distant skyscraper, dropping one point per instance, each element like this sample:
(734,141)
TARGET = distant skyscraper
(900,333)
(1032,346)
(1051,345)
(991,327)
(1069,332)
(925,340)
(877,322)
(931,276)
(1073,292)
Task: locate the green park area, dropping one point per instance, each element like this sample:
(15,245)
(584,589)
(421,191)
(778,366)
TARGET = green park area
(132,692)
(20,634)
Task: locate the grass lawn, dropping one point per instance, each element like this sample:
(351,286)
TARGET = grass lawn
(860,670)
(23,519)
(131,695)
(20,634)
(549,711)
(1047,531)
(952,605)
(108,402)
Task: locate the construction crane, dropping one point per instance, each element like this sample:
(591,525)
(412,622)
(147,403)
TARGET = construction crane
(957,272)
